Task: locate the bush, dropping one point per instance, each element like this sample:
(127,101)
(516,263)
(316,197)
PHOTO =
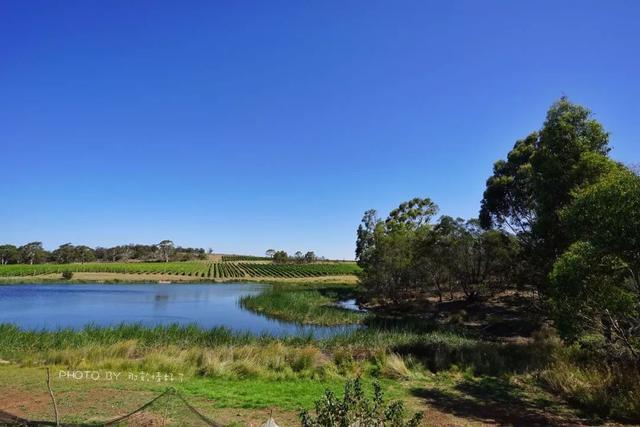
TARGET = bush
(67,275)
(356,409)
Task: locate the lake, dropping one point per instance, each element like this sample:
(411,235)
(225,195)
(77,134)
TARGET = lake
(55,306)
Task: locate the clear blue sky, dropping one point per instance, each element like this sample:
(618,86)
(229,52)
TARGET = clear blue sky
(242,126)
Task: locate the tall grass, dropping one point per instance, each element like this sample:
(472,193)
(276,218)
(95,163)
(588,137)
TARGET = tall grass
(383,352)
(610,390)
(309,306)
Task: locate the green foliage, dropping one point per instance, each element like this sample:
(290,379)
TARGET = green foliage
(365,242)
(309,257)
(280,257)
(407,254)
(413,214)
(388,251)
(69,253)
(32,253)
(595,283)
(166,248)
(527,192)
(607,214)
(508,199)
(67,275)
(9,254)
(355,409)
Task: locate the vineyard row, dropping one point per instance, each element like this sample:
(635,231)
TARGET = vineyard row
(216,270)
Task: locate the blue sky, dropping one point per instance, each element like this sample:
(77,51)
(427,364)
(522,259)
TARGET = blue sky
(243,126)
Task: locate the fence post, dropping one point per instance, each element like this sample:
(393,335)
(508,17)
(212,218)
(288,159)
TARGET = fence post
(53,399)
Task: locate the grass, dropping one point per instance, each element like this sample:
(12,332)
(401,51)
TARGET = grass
(387,351)
(606,390)
(286,394)
(305,305)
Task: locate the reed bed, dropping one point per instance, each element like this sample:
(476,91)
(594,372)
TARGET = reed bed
(391,352)
(308,306)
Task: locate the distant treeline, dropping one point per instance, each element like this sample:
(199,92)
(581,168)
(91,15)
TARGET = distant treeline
(282,257)
(34,253)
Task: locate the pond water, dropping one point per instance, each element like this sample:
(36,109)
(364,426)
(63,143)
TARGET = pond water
(54,306)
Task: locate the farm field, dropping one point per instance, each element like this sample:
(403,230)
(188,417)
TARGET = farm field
(192,269)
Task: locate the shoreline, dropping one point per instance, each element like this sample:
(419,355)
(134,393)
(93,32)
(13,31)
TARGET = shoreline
(129,278)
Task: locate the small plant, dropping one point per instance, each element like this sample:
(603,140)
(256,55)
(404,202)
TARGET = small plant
(355,409)
(67,275)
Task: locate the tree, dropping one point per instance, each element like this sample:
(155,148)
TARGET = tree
(568,137)
(365,243)
(388,251)
(166,249)
(32,252)
(310,257)
(526,193)
(8,254)
(64,254)
(413,214)
(459,255)
(270,253)
(299,257)
(508,198)
(595,284)
(84,254)
(486,260)
(439,254)
(280,257)
(101,253)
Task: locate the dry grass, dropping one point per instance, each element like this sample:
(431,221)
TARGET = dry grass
(597,388)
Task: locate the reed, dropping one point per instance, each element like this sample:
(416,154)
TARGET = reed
(308,306)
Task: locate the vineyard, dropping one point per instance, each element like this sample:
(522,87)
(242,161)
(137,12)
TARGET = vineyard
(214,270)
(234,258)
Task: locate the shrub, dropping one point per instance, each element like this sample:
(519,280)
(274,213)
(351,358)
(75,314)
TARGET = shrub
(67,275)
(356,409)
